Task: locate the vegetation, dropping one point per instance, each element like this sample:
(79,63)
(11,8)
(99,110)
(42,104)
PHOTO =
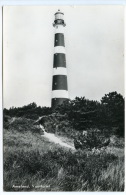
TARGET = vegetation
(30,111)
(107,115)
(33,163)
(91,139)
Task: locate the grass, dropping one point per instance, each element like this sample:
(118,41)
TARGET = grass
(112,177)
(32,163)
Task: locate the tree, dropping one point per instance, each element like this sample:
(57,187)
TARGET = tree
(113,109)
(81,112)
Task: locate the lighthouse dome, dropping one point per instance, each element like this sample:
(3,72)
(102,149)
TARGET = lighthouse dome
(59,20)
(59,15)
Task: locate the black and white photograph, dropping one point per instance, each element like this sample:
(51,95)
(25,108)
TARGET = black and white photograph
(63,98)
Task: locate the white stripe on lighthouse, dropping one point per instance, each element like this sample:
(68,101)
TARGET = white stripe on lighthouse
(59,71)
(59,29)
(59,49)
(60,94)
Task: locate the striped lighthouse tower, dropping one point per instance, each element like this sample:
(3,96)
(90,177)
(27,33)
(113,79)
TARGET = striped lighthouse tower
(59,80)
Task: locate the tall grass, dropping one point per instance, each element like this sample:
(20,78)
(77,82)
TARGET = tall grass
(62,171)
(32,163)
(112,179)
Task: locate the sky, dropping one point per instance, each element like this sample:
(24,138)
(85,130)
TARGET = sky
(94,43)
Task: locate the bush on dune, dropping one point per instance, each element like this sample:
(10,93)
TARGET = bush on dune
(20,124)
(90,139)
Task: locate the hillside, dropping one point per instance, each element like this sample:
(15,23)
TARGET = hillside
(33,162)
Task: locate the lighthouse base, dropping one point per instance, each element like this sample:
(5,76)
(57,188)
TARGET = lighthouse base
(57,101)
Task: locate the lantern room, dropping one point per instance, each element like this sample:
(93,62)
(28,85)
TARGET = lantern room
(59,19)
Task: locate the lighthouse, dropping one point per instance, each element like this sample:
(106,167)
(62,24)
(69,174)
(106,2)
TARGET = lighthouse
(59,78)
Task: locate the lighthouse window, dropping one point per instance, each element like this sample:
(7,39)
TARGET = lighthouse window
(59,16)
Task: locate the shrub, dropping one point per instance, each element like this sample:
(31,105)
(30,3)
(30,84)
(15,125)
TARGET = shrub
(91,139)
(21,125)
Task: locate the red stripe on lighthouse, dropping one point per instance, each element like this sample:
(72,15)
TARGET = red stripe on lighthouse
(59,60)
(59,82)
(59,39)
(57,101)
